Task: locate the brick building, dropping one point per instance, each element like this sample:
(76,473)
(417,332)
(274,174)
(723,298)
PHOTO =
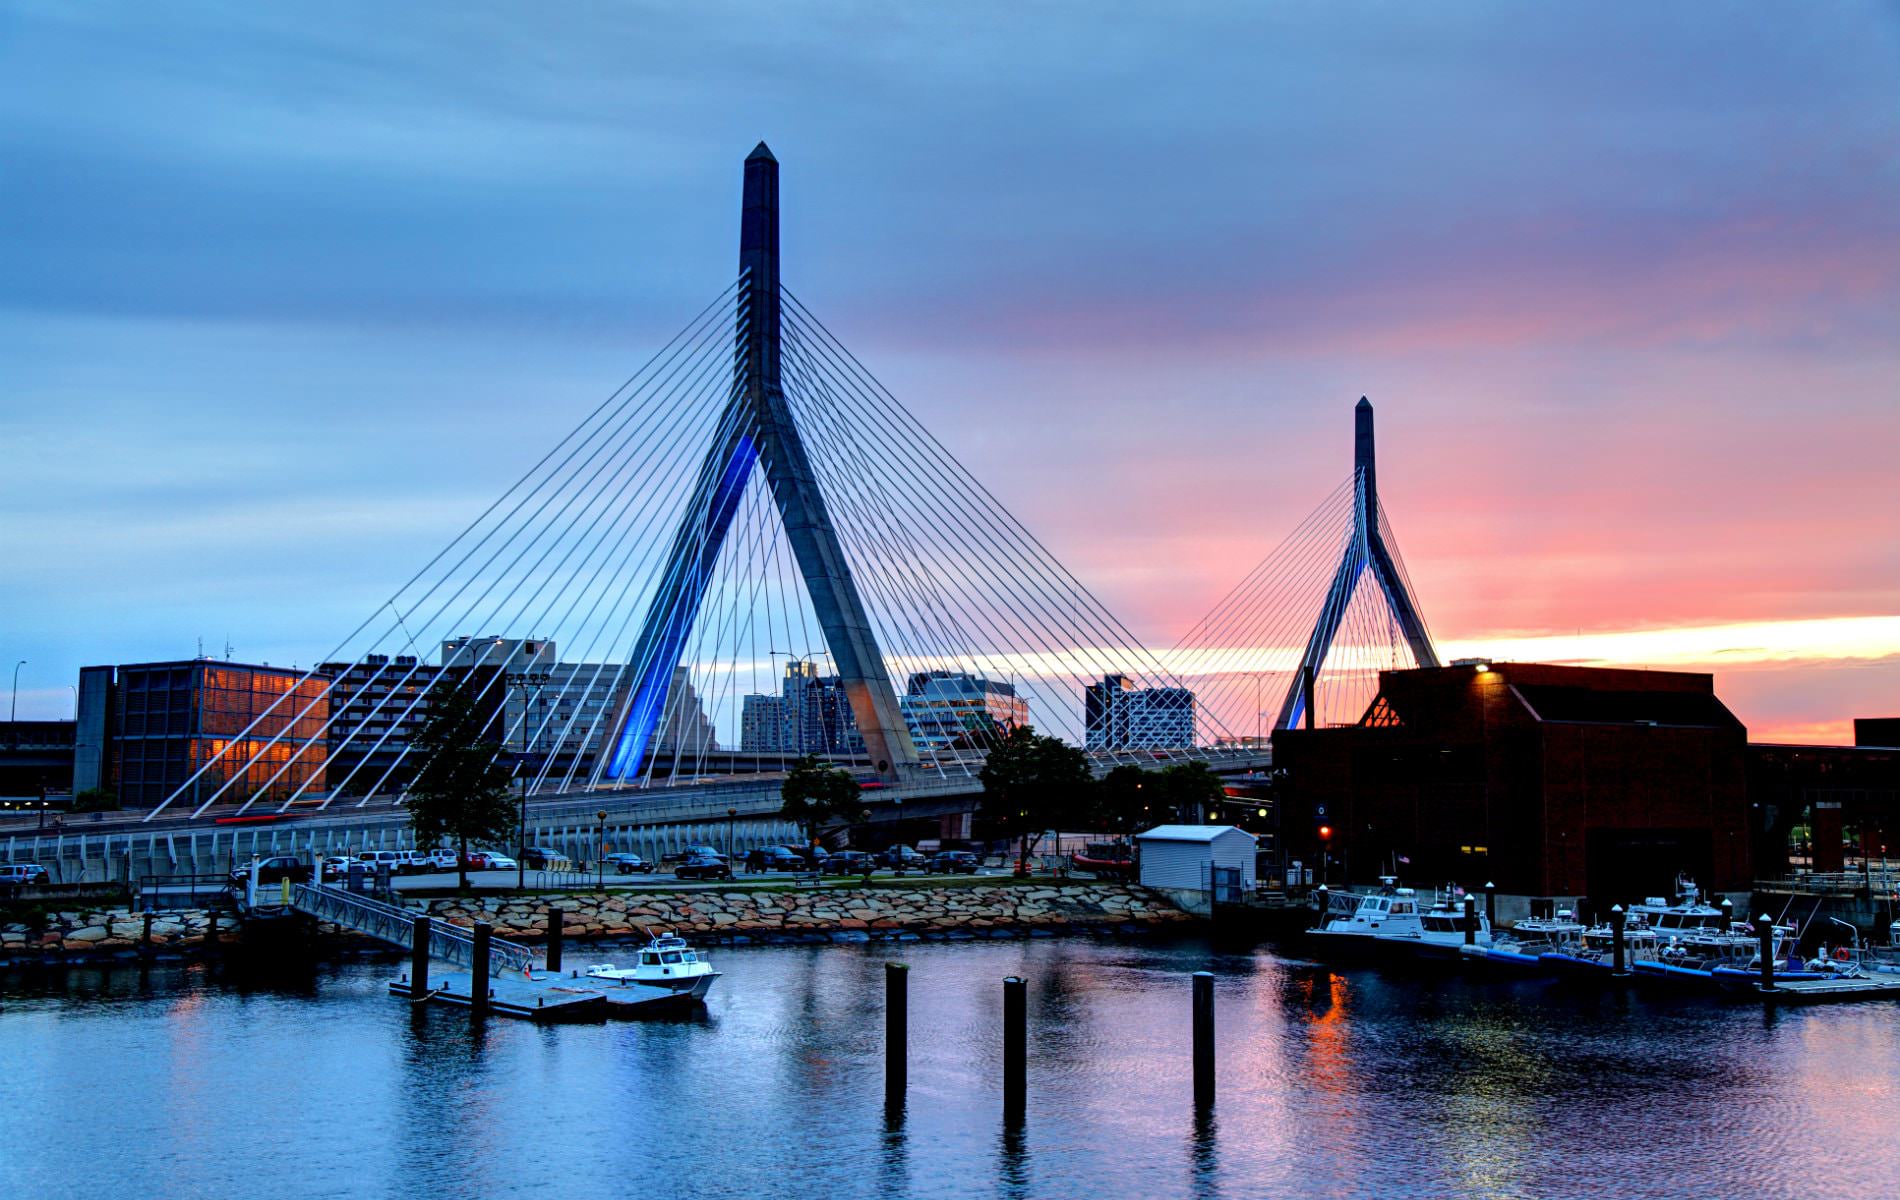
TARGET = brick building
(1551,781)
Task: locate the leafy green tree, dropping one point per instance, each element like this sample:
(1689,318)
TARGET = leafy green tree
(1189,791)
(818,797)
(1032,783)
(462,791)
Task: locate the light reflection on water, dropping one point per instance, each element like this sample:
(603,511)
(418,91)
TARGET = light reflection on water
(193,1081)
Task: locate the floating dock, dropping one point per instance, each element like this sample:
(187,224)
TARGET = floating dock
(547,997)
(1832,991)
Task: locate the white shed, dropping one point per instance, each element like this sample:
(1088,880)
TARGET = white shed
(1181,858)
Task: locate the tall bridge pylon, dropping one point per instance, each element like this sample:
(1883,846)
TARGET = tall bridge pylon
(759,429)
(1365,551)
(751,498)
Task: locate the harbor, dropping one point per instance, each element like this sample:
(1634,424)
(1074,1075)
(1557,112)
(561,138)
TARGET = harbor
(1513,1086)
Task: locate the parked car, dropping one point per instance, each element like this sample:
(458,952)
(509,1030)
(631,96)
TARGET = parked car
(539,858)
(415,862)
(342,866)
(902,858)
(480,860)
(702,867)
(774,858)
(381,860)
(954,862)
(816,856)
(628,864)
(17,874)
(274,870)
(443,859)
(850,862)
(501,862)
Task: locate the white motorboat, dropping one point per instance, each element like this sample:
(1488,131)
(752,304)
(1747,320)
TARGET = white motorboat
(666,961)
(1396,917)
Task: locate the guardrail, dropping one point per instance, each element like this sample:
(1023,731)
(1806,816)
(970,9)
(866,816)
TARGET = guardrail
(396,925)
(159,893)
(1833,883)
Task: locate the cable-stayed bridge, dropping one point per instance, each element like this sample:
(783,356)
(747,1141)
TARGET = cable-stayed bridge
(753,551)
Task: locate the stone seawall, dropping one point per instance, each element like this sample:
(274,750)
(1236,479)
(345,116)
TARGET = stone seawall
(95,935)
(106,935)
(764,915)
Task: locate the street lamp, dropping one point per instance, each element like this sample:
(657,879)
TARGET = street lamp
(600,852)
(14,715)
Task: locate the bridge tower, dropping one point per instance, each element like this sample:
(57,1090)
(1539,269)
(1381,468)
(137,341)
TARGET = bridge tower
(1365,550)
(758,431)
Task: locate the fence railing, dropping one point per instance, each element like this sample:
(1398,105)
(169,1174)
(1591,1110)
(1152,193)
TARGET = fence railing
(396,925)
(158,893)
(1834,883)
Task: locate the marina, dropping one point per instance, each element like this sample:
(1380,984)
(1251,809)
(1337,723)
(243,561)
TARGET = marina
(780,1074)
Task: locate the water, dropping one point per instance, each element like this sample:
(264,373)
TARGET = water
(194,1081)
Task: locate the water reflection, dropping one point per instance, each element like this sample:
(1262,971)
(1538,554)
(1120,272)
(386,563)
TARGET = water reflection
(1012,1158)
(1332,1083)
(1202,1183)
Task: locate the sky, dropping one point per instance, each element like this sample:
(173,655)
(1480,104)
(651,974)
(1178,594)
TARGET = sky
(289,292)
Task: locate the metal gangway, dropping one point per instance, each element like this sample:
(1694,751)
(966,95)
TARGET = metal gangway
(396,925)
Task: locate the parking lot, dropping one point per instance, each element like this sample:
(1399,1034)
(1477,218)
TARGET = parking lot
(659,877)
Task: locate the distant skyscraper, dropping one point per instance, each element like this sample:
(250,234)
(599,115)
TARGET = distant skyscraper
(762,724)
(1119,717)
(940,707)
(812,716)
(550,713)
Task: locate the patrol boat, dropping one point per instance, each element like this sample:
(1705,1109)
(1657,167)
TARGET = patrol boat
(1394,918)
(665,962)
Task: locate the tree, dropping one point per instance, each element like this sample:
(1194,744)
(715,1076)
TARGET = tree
(463,790)
(96,800)
(1124,798)
(1032,783)
(1189,790)
(817,796)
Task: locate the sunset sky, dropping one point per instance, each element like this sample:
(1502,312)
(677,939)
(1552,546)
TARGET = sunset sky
(287,298)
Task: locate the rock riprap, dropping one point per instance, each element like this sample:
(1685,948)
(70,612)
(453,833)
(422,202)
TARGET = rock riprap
(748,912)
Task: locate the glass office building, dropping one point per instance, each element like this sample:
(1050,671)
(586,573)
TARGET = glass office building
(158,723)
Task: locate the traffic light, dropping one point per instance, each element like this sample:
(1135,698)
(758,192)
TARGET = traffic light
(1325,833)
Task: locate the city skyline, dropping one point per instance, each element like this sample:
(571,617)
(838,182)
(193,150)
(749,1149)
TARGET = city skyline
(1634,424)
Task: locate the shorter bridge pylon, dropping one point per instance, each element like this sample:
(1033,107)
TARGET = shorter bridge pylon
(1366,550)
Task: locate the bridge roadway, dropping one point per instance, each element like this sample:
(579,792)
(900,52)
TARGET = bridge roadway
(650,821)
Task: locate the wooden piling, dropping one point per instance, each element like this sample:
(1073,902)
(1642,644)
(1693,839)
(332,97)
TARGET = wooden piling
(1491,907)
(555,933)
(1015,1046)
(1471,920)
(896,1029)
(1765,931)
(1203,1039)
(419,958)
(1619,954)
(478,970)
(211,928)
